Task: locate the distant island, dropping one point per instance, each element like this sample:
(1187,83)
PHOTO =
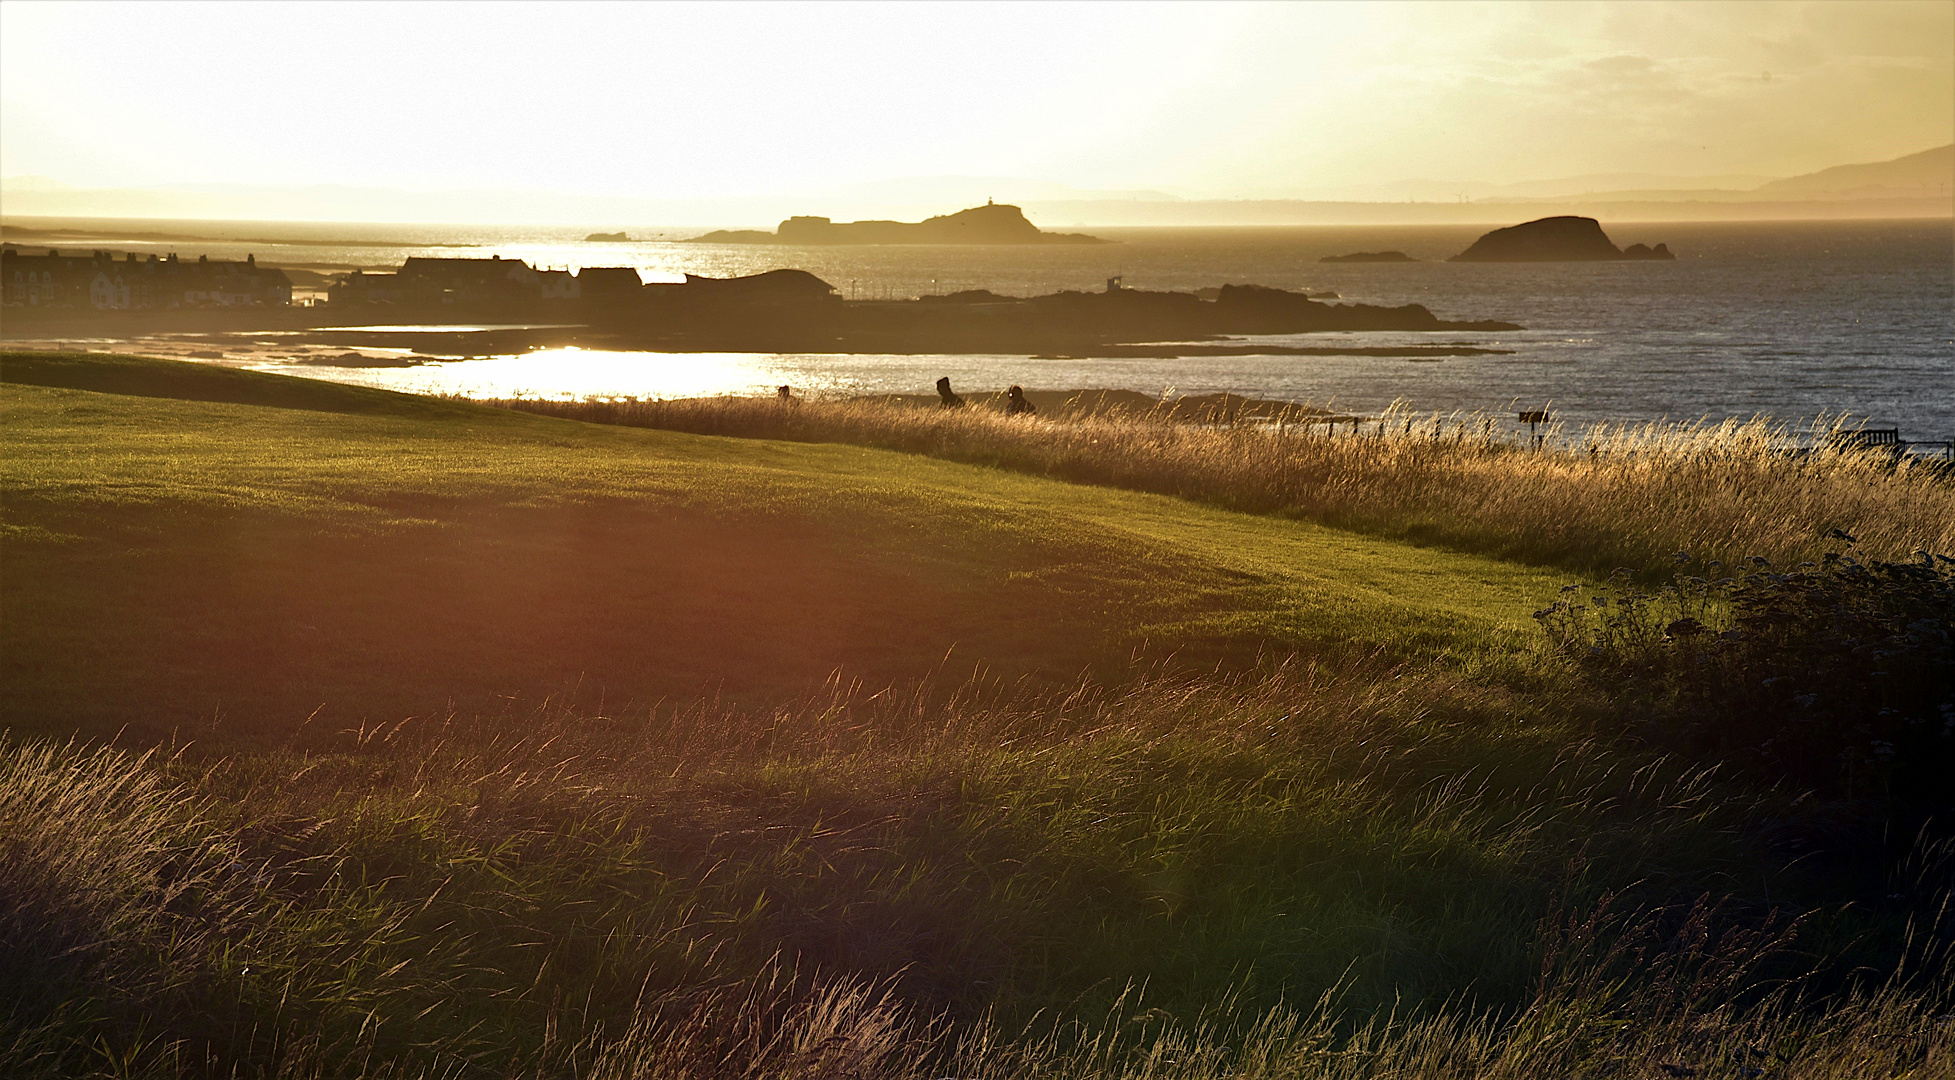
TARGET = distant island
(607,238)
(992,223)
(1369,256)
(1555,239)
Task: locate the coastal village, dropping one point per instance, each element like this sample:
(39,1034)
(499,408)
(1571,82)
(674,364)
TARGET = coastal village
(100,280)
(429,282)
(103,281)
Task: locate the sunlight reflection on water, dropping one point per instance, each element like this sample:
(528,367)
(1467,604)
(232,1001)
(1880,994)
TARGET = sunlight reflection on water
(574,374)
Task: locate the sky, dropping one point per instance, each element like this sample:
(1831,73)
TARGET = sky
(1218,100)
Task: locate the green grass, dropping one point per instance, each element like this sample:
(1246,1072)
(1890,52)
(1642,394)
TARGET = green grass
(419,738)
(513,895)
(386,556)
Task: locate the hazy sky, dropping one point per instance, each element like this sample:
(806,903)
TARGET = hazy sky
(680,100)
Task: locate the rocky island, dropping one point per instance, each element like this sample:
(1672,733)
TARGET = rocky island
(992,223)
(1555,239)
(1369,257)
(607,238)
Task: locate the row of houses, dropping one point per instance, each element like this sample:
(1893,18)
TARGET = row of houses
(495,280)
(100,280)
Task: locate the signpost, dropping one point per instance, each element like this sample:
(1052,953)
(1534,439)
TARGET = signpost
(1531,419)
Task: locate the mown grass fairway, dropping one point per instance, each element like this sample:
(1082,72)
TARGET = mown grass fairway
(293,544)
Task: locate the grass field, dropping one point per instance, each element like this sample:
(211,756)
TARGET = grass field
(358,734)
(384,556)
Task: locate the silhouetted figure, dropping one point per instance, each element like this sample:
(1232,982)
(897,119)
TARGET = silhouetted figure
(785,395)
(951,400)
(1015,403)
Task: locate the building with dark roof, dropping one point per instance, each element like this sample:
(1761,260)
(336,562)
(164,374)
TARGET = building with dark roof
(468,281)
(558,285)
(609,282)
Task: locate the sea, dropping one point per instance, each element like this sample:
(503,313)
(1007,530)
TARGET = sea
(1794,322)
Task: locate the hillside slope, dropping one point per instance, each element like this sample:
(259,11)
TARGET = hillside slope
(1930,169)
(256,585)
(297,546)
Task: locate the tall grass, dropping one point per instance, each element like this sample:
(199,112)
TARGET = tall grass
(1586,1018)
(1138,880)
(1611,496)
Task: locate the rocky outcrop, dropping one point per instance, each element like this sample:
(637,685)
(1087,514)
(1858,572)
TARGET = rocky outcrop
(992,223)
(1554,239)
(1258,309)
(774,287)
(1369,257)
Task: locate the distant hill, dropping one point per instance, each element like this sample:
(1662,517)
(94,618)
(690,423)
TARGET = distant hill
(1933,170)
(1929,174)
(992,223)
(1567,187)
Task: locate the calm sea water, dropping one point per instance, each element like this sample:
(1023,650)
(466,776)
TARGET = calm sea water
(1784,320)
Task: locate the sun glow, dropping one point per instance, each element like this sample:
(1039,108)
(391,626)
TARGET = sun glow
(1214,100)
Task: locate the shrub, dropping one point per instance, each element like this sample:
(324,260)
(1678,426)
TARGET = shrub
(1838,674)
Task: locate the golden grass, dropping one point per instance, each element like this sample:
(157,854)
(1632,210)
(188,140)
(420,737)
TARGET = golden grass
(871,885)
(1585,1021)
(1610,496)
